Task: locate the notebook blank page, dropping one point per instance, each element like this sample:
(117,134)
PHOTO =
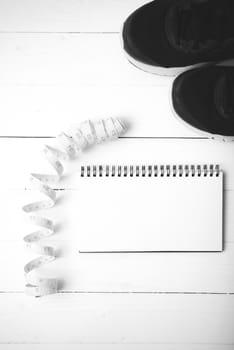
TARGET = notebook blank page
(150,214)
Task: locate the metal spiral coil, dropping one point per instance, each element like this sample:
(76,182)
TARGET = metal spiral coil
(71,143)
(149,170)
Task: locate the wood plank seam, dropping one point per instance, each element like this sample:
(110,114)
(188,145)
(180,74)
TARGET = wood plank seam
(124,137)
(58,32)
(146,292)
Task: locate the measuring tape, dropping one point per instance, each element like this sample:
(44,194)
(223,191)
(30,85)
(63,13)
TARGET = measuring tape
(71,144)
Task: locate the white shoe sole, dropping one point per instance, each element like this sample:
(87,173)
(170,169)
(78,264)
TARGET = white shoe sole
(163,71)
(196,130)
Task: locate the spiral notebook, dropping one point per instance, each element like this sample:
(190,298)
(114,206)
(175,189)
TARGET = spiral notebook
(150,208)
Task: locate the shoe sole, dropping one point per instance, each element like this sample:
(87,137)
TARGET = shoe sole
(200,132)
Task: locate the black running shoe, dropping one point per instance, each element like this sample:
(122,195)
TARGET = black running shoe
(170,36)
(204,99)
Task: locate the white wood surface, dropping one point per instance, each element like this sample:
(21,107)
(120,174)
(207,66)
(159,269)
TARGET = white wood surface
(47,110)
(113,346)
(123,319)
(60,63)
(60,79)
(65,16)
(69,60)
(139,151)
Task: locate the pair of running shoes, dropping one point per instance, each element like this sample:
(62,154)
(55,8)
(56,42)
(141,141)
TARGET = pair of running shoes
(195,39)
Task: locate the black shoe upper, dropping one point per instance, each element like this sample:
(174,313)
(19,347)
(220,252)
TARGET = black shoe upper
(204,98)
(177,33)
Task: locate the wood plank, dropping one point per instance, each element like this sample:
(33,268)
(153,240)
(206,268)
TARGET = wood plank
(48,80)
(208,273)
(118,319)
(157,273)
(115,346)
(20,157)
(65,15)
(70,60)
(154,273)
(43,111)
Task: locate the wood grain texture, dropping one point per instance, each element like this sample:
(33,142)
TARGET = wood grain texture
(122,151)
(118,319)
(45,111)
(65,15)
(68,60)
(68,78)
(115,346)
(198,273)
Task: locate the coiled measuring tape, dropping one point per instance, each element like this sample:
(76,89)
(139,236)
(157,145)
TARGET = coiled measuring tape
(72,143)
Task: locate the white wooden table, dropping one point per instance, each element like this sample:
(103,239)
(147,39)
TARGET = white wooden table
(61,63)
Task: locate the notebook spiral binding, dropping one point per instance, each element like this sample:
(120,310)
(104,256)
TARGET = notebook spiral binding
(149,170)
